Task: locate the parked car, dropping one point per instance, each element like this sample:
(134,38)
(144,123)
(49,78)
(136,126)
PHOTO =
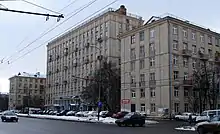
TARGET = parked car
(207,115)
(62,113)
(185,116)
(210,126)
(71,113)
(91,113)
(9,116)
(120,114)
(106,114)
(132,118)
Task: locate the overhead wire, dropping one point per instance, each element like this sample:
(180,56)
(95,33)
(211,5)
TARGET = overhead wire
(4,59)
(62,32)
(50,29)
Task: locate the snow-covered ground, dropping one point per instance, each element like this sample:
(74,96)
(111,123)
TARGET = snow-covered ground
(186,128)
(107,120)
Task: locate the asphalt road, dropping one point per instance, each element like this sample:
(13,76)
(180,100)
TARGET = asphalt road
(40,126)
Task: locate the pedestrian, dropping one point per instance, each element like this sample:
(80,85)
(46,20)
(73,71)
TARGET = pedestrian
(190,119)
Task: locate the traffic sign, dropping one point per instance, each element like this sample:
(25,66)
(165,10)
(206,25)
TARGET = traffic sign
(99,104)
(125,101)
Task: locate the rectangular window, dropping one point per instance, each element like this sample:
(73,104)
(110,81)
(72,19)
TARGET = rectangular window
(141,53)
(175,30)
(133,55)
(152,107)
(142,107)
(185,62)
(141,36)
(152,33)
(152,47)
(142,93)
(176,107)
(152,76)
(194,64)
(186,92)
(210,40)
(216,42)
(175,59)
(133,94)
(176,91)
(210,53)
(175,75)
(185,46)
(194,49)
(132,66)
(152,61)
(142,78)
(142,64)
(201,38)
(184,33)
(132,39)
(193,36)
(186,107)
(152,92)
(175,45)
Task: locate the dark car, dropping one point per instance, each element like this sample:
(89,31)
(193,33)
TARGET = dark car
(9,116)
(62,113)
(211,126)
(132,118)
(120,114)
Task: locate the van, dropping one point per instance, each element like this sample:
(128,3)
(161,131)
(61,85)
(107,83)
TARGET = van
(207,115)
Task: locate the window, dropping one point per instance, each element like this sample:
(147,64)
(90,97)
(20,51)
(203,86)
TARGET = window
(141,36)
(133,94)
(216,41)
(186,92)
(209,40)
(194,64)
(152,107)
(202,50)
(132,66)
(210,53)
(152,47)
(152,61)
(186,107)
(201,38)
(142,93)
(185,46)
(176,107)
(175,31)
(152,76)
(152,33)
(152,92)
(176,91)
(185,62)
(185,76)
(133,55)
(142,64)
(132,39)
(142,78)
(175,45)
(175,75)
(132,79)
(142,107)
(194,49)
(141,53)
(184,33)
(175,59)
(193,36)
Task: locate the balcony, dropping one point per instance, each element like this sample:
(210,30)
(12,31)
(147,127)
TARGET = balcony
(187,52)
(203,56)
(152,83)
(217,57)
(187,83)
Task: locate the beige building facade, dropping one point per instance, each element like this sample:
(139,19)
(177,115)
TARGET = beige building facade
(72,57)
(24,86)
(157,63)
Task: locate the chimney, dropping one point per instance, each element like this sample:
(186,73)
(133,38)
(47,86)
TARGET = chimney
(122,10)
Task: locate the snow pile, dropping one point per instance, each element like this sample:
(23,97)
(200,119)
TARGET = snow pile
(107,120)
(186,128)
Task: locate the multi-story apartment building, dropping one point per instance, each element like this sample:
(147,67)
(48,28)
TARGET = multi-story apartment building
(27,90)
(73,56)
(157,63)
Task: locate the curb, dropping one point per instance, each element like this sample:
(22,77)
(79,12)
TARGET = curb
(59,119)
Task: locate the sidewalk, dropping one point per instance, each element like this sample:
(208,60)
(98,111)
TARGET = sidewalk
(107,120)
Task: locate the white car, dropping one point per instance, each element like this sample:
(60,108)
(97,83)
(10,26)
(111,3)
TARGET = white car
(207,115)
(185,116)
(91,113)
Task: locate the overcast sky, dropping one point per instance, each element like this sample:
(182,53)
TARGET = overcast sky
(16,27)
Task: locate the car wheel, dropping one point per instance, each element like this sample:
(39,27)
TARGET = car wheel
(201,130)
(119,124)
(177,119)
(2,120)
(16,120)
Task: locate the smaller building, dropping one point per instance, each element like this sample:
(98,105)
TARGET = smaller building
(27,90)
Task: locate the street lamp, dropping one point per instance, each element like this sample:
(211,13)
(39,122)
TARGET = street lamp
(100,57)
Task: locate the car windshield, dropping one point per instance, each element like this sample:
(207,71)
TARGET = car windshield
(216,118)
(9,113)
(128,115)
(204,114)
